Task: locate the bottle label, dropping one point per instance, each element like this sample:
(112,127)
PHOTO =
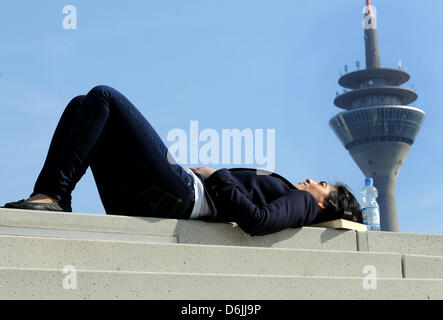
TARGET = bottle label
(371,218)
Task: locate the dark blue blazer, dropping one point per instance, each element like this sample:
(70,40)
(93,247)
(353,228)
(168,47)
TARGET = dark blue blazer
(259,204)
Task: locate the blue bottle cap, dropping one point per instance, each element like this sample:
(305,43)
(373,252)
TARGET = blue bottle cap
(369,181)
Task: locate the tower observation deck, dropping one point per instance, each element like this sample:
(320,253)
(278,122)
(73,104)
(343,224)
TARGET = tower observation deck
(378,127)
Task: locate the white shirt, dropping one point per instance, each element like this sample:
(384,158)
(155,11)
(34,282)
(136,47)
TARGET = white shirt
(201,208)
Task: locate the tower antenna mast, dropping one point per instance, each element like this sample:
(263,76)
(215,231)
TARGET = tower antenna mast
(371,40)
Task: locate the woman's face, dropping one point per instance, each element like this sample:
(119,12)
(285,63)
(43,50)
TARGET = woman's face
(319,190)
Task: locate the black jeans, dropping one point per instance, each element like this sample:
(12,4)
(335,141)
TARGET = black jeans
(130,163)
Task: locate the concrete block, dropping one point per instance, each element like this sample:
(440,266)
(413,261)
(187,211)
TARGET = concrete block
(48,253)
(407,243)
(43,284)
(300,238)
(422,267)
(74,225)
(86,222)
(89,235)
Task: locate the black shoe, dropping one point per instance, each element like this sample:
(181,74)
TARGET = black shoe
(26,205)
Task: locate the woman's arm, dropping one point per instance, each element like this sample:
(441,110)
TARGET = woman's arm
(292,210)
(204,171)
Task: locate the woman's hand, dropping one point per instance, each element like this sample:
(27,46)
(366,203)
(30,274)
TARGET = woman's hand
(203,171)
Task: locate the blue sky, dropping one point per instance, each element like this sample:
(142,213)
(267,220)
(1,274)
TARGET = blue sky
(257,64)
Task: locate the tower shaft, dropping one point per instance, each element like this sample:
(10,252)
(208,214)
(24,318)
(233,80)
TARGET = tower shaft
(382,161)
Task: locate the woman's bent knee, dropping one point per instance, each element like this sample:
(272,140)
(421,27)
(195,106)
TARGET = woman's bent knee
(100,90)
(99,97)
(75,102)
(78,99)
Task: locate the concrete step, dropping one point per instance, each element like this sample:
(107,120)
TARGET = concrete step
(407,243)
(17,283)
(37,252)
(124,228)
(55,253)
(138,229)
(422,266)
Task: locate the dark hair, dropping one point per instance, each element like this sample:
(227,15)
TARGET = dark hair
(341,204)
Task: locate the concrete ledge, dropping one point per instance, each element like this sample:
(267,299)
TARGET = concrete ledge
(422,267)
(68,225)
(86,222)
(47,253)
(407,243)
(90,235)
(18,283)
(141,229)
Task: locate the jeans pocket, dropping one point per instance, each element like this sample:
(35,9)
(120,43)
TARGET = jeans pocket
(156,202)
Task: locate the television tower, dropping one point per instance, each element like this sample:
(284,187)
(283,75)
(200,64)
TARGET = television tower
(378,127)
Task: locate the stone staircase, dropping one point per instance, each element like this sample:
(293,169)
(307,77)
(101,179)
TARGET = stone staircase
(47,255)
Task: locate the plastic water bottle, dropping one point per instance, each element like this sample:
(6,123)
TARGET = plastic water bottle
(370,209)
